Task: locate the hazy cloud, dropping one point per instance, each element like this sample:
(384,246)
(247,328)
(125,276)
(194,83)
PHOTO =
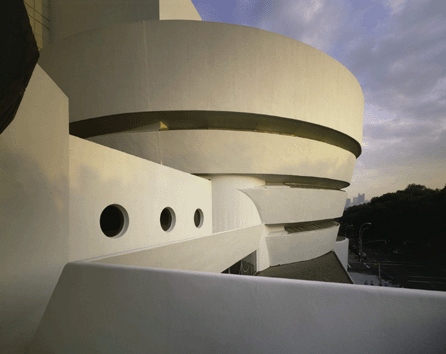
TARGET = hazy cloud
(397,51)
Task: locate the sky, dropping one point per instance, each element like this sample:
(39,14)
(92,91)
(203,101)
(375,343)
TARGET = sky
(397,51)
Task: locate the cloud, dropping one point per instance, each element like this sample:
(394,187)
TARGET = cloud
(400,65)
(395,6)
(314,22)
(397,51)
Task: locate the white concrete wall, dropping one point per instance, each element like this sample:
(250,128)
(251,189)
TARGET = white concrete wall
(239,152)
(178,10)
(100,176)
(300,246)
(213,253)
(232,209)
(262,255)
(283,204)
(103,309)
(74,16)
(341,250)
(202,66)
(33,208)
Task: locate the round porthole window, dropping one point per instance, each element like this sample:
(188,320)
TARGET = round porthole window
(198,218)
(167,219)
(114,221)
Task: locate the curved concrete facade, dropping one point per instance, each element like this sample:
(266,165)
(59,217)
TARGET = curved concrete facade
(284,205)
(237,105)
(300,246)
(231,209)
(202,66)
(235,152)
(221,120)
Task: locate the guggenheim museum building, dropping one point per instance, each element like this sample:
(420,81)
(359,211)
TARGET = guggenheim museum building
(152,153)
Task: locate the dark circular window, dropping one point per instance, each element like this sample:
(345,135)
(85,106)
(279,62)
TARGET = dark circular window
(167,219)
(198,218)
(114,220)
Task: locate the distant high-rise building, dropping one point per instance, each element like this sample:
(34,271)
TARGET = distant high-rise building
(347,203)
(360,199)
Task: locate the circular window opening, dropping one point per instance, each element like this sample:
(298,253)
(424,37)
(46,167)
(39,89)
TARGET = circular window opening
(167,219)
(114,220)
(198,218)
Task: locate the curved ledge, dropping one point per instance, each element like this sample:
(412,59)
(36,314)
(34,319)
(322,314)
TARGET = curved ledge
(301,246)
(226,152)
(311,226)
(284,205)
(294,181)
(197,120)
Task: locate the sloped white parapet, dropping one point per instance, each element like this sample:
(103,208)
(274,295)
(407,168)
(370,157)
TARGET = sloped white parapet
(109,309)
(300,246)
(212,253)
(281,205)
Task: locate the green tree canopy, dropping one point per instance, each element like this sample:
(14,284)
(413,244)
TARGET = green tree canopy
(416,214)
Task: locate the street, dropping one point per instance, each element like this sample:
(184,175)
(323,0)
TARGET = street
(398,271)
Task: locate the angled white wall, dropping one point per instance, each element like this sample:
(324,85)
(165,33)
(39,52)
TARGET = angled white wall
(33,208)
(232,209)
(100,176)
(69,17)
(178,10)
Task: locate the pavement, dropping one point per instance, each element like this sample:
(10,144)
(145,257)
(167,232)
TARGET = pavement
(360,279)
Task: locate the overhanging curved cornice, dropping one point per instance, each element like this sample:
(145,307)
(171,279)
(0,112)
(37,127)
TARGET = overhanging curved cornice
(193,120)
(194,66)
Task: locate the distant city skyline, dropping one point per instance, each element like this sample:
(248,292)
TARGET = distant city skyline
(360,199)
(397,51)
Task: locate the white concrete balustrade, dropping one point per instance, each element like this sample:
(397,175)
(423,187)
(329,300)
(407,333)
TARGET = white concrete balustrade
(100,308)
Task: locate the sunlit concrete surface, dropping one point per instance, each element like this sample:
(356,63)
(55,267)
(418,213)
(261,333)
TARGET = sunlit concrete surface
(283,204)
(209,143)
(100,176)
(34,196)
(213,253)
(238,152)
(300,246)
(202,66)
(66,14)
(232,209)
(103,308)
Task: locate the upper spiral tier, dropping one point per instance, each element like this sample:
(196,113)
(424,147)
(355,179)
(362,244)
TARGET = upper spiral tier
(151,75)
